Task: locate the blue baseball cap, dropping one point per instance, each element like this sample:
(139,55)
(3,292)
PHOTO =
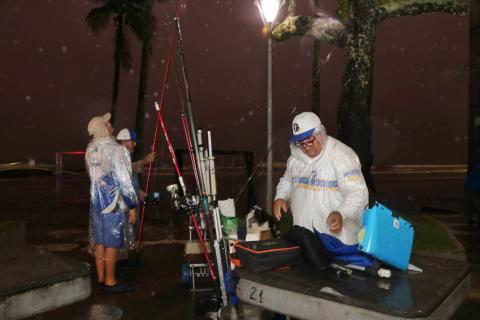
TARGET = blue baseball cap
(127,134)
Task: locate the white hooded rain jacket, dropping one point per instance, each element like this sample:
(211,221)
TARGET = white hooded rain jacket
(332,181)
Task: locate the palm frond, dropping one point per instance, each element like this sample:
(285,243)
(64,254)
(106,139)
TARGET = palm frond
(98,18)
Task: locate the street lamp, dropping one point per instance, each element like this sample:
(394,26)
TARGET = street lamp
(269,11)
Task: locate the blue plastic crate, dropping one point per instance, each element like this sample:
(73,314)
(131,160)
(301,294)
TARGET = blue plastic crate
(387,238)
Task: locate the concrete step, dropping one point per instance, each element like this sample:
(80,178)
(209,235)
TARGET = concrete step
(33,280)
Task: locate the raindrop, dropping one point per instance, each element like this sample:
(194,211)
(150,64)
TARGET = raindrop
(28,98)
(64,48)
(250,113)
(242,119)
(40,49)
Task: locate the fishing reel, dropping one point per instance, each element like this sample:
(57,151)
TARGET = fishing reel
(182,202)
(154,198)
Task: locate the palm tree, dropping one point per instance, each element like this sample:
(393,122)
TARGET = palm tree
(147,28)
(123,13)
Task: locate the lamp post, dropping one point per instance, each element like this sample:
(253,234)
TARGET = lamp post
(269,11)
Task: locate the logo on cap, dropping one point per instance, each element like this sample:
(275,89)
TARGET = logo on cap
(296,127)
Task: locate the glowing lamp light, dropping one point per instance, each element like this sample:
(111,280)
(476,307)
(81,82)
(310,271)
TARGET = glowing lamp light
(269,9)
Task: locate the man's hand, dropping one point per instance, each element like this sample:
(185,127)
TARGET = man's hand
(279,207)
(141,195)
(132,215)
(149,158)
(335,222)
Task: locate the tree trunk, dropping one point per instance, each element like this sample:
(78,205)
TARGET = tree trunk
(474,74)
(143,82)
(354,114)
(116,76)
(316,69)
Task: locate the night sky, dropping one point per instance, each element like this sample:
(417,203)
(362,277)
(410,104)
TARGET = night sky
(55,75)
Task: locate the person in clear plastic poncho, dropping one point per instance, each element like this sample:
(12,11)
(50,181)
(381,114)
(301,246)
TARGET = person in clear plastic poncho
(128,139)
(323,185)
(112,200)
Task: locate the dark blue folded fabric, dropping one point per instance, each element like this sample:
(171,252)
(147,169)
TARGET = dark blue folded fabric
(345,253)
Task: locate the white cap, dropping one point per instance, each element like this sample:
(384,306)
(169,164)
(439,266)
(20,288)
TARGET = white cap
(304,125)
(96,125)
(127,134)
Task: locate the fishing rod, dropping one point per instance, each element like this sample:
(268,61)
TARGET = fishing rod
(201,171)
(157,124)
(188,110)
(252,175)
(185,203)
(190,150)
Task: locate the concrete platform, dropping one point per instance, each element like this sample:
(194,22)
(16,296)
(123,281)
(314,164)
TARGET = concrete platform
(306,293)
(34,280)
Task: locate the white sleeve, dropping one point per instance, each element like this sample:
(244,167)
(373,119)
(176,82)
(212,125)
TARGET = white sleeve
(284,187)
(351,184)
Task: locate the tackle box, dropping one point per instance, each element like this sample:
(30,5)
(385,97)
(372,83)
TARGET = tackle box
(385,237)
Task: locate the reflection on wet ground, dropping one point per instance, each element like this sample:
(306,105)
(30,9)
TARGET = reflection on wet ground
(61,226)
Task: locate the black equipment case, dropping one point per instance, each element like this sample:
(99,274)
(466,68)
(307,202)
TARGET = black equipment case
(266,255)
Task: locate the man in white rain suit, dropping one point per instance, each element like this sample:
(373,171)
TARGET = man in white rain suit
(112,200)
(323,184)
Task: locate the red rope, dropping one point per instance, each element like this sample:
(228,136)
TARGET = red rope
(72,152)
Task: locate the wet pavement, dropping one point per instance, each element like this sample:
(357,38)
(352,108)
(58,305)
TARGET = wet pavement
(61,226)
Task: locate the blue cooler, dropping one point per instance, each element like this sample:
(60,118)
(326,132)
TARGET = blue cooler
(387,238)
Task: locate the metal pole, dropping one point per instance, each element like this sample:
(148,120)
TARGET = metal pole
(269,129)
